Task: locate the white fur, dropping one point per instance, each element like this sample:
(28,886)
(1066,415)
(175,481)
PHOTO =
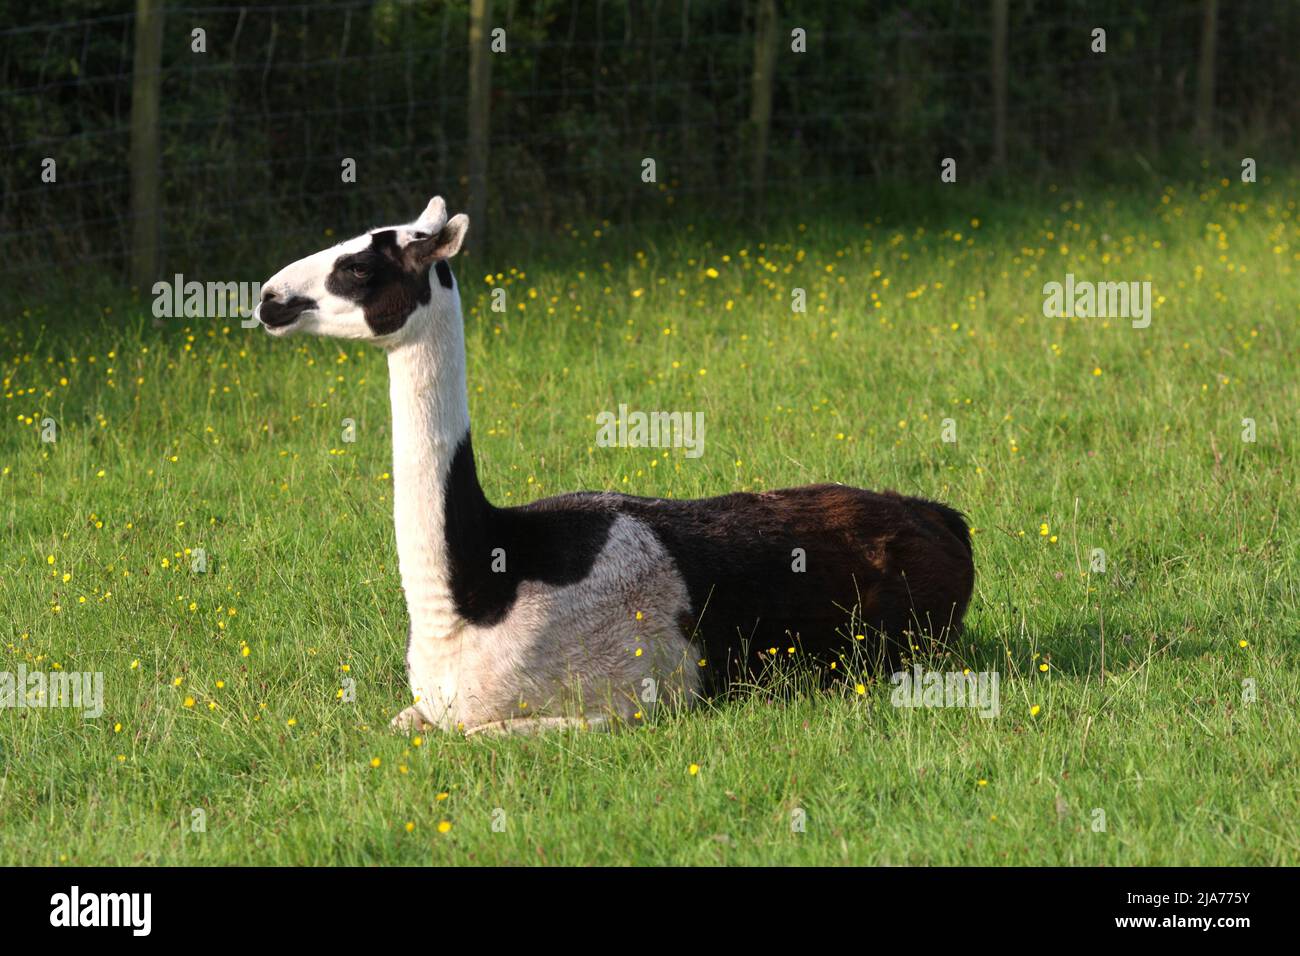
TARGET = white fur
(570,650)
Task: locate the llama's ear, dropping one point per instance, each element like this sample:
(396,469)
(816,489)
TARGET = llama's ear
(434,216)
(442,246)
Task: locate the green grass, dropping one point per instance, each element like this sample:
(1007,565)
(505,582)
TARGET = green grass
(207,435)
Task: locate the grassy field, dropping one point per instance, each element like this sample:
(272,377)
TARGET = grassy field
(1147,711)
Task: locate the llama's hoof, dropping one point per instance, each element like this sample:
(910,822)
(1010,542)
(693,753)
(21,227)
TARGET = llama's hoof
(410,720)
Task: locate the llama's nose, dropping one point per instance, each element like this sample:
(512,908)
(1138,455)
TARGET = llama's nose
(276,311)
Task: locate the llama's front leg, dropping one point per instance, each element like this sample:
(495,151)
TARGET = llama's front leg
(433,676)
(418,718)
(532,726)
(410,721)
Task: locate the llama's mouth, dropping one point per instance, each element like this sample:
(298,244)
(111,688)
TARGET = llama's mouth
(278,316)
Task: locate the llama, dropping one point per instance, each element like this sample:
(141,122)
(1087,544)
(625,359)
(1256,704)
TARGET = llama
(582,608)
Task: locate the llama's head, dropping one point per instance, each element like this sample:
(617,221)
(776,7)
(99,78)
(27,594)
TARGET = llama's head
(372,286)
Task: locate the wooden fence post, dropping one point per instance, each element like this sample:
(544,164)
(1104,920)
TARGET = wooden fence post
(480,84)
(760,102)
(1000,85)
(1205,73)
(146,171)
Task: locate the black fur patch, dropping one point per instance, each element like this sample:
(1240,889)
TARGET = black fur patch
(444,273)
(555,541)
(380,282)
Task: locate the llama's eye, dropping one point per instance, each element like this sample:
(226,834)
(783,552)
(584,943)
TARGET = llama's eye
(361,272)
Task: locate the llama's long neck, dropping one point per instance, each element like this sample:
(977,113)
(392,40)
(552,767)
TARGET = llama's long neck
(430,419)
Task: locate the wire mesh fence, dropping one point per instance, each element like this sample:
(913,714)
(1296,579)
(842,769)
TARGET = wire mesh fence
(263,107)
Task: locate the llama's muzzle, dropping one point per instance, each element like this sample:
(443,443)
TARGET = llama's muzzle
(276,313)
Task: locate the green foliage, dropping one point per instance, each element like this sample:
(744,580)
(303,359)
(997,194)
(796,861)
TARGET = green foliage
(1072,434)
(255,129)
